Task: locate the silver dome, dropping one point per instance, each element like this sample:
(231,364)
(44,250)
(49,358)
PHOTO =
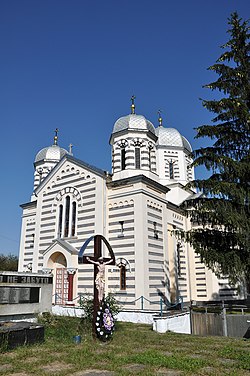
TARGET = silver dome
(51,153)
(171,137)
(134,122)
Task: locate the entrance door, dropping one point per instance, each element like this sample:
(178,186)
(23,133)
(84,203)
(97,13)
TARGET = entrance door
(62,286)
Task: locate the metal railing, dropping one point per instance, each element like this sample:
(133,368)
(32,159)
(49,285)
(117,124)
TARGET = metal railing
(164,304)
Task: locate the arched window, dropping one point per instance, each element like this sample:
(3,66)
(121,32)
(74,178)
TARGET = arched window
(73,222)
(171,169)
(67,209)
(123,165)
(150,159)
(60,221)
(122,277)
(137,158)
(121,234)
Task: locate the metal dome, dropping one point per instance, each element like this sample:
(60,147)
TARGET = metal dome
(133,122)
(51,153)
(171,137)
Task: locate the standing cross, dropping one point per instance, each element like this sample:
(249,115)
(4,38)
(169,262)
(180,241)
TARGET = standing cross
(99,268)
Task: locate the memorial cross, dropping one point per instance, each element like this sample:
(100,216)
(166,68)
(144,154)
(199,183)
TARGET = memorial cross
(99,268)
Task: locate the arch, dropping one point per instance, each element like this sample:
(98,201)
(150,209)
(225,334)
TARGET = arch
(57,259)
(74,192)
(58,263)
(95,238)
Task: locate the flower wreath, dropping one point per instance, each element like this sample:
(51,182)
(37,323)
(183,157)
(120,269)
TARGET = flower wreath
(105,325)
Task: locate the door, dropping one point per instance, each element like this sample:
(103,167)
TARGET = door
(62,285)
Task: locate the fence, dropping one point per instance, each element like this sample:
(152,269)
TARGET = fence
(164,304)
(220,322)
(161,307)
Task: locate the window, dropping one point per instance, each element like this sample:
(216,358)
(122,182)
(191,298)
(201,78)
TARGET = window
(66,228)
(73,223)
(60,221)
(155,231)
(122,277)
(150,159)
(121,234)
(32,240)
(123,165)
(67,211)
(137,158)
(171,170)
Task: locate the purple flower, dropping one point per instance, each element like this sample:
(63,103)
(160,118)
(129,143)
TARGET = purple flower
(108,321)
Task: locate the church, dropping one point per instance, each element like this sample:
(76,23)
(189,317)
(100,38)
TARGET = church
(135,207)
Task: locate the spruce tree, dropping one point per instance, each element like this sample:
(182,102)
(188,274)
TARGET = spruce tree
(220,216)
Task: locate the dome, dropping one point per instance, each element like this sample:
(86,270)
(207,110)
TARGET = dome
(171,137)
(133,122)
(51,153)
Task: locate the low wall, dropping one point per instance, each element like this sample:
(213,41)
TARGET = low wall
(23,295)
(179,323)
(135,317)
(67,311)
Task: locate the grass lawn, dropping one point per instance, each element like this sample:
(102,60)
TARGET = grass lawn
(134,350)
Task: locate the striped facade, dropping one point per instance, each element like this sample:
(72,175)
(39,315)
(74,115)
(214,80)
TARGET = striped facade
(136,208)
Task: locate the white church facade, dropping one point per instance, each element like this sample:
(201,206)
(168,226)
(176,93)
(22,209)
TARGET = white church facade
(135,207)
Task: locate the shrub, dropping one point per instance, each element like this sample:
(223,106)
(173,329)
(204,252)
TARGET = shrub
(87,304)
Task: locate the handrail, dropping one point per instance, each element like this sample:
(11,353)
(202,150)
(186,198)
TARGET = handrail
(142,298)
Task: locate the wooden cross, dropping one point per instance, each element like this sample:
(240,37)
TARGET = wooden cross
(96,261)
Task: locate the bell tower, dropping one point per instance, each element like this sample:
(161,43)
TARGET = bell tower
(133,141)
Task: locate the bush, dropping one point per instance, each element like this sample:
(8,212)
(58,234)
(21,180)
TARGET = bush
(87,304)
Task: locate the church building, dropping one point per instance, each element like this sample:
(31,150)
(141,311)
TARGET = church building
(135,207)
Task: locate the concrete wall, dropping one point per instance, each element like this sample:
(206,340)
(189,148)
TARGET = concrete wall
(24,295)
(178,324)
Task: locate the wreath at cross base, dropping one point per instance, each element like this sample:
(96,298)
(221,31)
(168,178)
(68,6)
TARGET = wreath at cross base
(105,324)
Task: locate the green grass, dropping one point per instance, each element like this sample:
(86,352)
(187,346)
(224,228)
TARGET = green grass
(134,350)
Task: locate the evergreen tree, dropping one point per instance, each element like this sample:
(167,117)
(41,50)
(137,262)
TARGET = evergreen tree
(221,214)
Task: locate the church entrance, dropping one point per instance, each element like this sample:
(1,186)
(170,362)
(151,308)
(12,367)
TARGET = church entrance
(57,262)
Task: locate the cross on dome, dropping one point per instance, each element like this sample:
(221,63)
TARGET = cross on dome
(159,117)
(132,104)
(56,136)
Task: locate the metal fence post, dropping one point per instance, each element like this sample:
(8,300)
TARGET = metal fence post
(142,303)
(224,319)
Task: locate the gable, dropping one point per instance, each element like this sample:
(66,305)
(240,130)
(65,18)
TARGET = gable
(69,167)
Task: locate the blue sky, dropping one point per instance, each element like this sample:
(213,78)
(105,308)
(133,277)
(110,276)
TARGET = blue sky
(75,64)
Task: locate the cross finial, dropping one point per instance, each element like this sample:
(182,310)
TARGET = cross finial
(133,104)
(159,118)
(56,136)
(70,148)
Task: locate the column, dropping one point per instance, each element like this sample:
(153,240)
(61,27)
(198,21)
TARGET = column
(71,273)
